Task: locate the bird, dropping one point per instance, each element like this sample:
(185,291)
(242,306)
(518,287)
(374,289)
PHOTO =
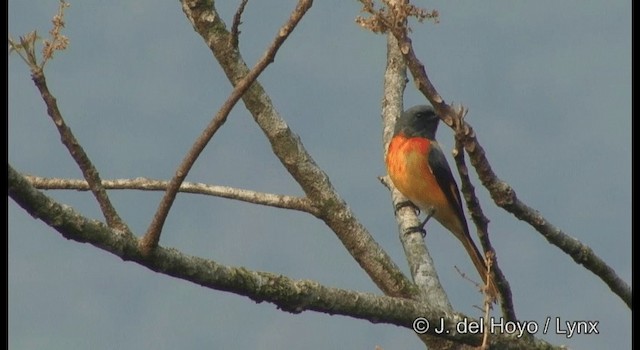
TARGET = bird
(419,170)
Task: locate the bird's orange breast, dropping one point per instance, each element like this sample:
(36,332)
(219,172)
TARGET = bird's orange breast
(408,166)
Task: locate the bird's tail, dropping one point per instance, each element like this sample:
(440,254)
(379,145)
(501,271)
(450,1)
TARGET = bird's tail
(478,261)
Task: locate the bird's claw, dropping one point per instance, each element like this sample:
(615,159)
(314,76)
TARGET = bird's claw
(417,229)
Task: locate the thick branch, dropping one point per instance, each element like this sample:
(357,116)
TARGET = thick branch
(152,236)
(144,184)
(290,151)
(78,154)
(289,295)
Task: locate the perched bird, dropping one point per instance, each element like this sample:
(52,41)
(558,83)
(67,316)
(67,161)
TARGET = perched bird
(419,170)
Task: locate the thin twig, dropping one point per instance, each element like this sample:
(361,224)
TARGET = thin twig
(488,302)
(482,224)
(145,184)
(237,21)
(152,236)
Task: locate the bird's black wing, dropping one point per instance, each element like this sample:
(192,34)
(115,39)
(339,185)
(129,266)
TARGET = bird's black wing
(442,172)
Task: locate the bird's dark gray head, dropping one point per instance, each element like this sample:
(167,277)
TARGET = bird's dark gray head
(418,121)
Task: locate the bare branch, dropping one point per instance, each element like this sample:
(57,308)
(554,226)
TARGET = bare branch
(289,295)
(145,184)
(290,151)
(152,236)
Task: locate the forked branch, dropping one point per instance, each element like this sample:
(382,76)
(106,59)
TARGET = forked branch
(152,236)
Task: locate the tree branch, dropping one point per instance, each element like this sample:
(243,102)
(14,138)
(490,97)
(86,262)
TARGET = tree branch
(145,184)
(78,154)
(505,197)
(289,295)
(290,151)
(152,236)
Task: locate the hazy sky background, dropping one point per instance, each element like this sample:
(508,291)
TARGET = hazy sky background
(548,85)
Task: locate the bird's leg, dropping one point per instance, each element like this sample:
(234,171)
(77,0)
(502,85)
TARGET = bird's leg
(429,213)
(420,228)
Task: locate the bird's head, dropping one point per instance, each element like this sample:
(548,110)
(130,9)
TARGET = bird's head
(418,121)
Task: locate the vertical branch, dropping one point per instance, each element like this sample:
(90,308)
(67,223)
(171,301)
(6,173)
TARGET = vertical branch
(420,262)
(152,236)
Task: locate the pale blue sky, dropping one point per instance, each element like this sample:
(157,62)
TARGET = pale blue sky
(548,85)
